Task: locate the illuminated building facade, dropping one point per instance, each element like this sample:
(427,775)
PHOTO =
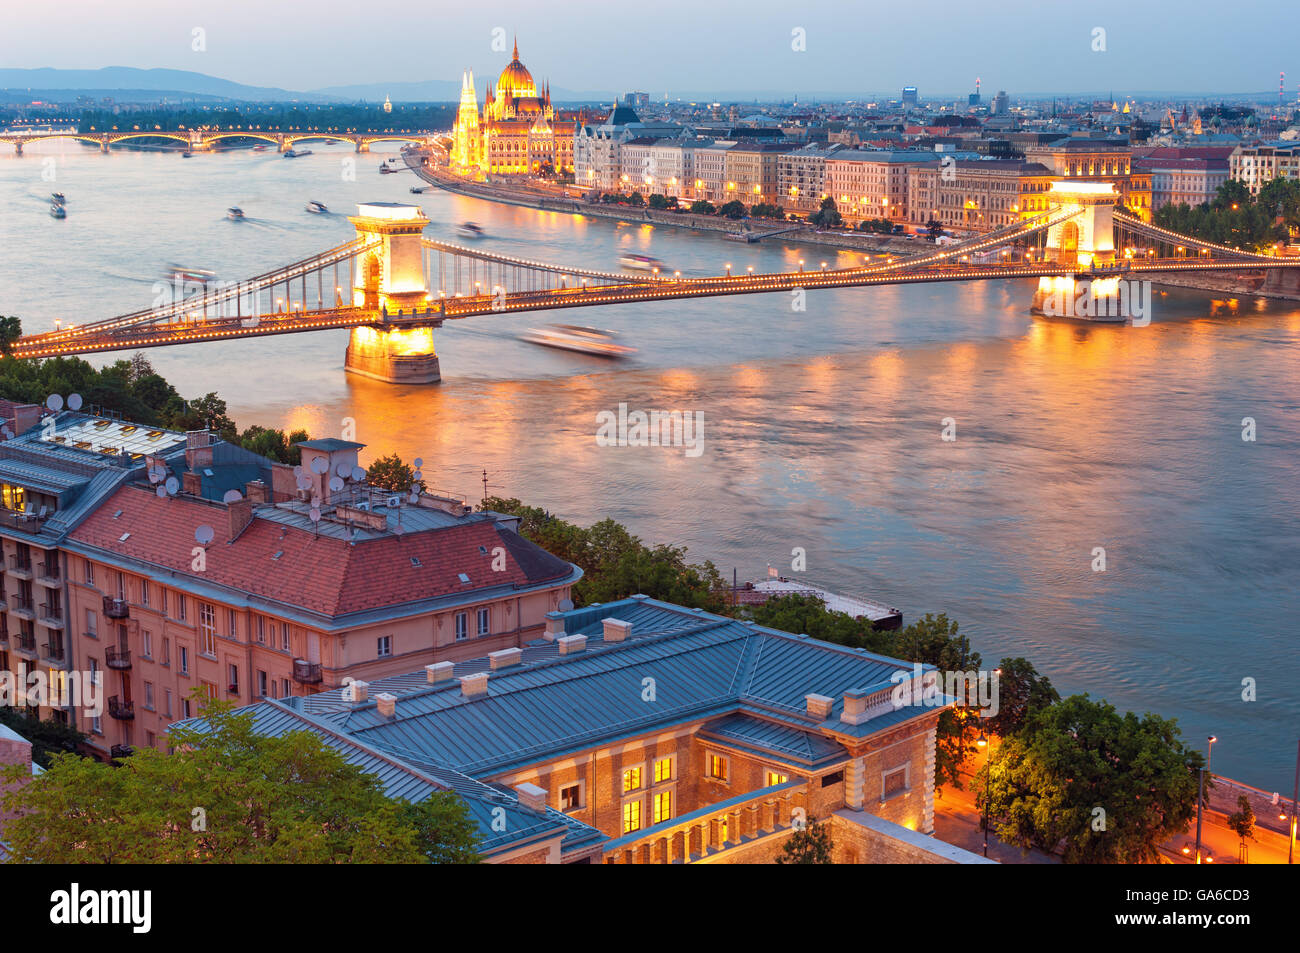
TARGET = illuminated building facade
(516,133)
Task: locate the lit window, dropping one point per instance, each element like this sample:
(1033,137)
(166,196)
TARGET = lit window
(631,779)
(663,770)
(663,806)
(718,767)
(631,817)
(774,778)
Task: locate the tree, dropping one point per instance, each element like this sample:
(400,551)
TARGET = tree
(934,228)
(658,201)
(391,473)
(1242,822)
(701,207)
(766,210)
(275,444)
(11,329)
(48,737)
(206,412)
(828,216)
(1021,692)
(808,614)
(228,795)
(733,209)
(445,833)
(810,845)
(1110,787)
(636,199)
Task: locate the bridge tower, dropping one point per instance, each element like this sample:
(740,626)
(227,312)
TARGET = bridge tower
(1081,241)
(390,279)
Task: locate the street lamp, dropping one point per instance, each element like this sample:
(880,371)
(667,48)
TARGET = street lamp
(983,744)
(1200,796)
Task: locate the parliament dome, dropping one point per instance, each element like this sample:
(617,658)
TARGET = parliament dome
(516,80)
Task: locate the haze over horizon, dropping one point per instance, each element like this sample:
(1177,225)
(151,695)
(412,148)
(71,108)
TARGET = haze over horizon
(1021,47)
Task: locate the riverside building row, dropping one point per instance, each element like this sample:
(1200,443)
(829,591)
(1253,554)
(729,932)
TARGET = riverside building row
(282,591)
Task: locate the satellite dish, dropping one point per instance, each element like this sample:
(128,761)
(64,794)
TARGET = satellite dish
(566,605)
(336,483)
(315,500)
(54,402)
(157,473)
(342,468)
(320,466)
(304,483)
(232,496)
(419,462)
(358,474)
(8,434)
(314,515)
(297,471)
(172,485)
(162,492)
(74,401)
(417,475)
(204,534)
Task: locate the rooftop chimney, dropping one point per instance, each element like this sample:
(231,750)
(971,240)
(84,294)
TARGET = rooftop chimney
(472,685)
(819,706)
(257,491)
(356,692)
(616,630)
(554,626)
(505,658)
(387,704)
(238,514)
(438,672)
(531,796)
(571,644)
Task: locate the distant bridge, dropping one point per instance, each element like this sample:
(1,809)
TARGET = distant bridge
(392,287)
(202,140)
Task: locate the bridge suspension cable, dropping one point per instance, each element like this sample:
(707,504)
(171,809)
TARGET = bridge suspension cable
(1174,238)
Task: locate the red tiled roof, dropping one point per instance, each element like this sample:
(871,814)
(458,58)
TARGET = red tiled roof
(317,573)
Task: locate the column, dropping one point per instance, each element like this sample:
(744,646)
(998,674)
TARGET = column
(927,818)
(854,778)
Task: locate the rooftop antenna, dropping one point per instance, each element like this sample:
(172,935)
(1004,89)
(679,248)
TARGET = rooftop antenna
(486,485)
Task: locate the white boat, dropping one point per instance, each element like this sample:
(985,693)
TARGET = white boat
(881,616)
(571,337)
(317,208)
(198,276)
(641,263)
(58,198)
(469,230)
(296,153)
(235,214)
(58,211)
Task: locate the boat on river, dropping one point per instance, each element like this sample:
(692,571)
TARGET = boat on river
(572,337)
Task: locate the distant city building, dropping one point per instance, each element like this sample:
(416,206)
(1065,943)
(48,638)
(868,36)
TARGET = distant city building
(1256,166)
(1000,104)
(909,97)
(1097,160)
(1179,176)
(636,100)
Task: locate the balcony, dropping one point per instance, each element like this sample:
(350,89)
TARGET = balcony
(118,658)
(116,608)
(53,652)
(25,642)
(120,751)
(20,568)
(22,606)
(306,673)
(121,710)
(48,573)
(712,829)
(50,616)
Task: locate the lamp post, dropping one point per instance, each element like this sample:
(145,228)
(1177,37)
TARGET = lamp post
(1200,795)
(983,744)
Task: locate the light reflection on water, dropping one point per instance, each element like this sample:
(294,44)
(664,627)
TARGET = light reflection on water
(822,428)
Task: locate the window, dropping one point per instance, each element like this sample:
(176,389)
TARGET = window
(385,645)
(164,602)
(185,708)
(285,689)
(272,687)
(97,725)
(92,624)
(663,806)
(261,683)
(180,606)
(146,644)
(774,778)
(149,738)
(232,628)
(483,622)
(167,702)
(631,816)
(718,767)
(284,636)
(144,592)
(90,572)
(663,770)
(148,695)
(121,585)
(167,651)
(207,628)
(835,777)
(631,779)
(261,630)
(185,660)
(571,796)
(462,625)
(234,678)
(894,782)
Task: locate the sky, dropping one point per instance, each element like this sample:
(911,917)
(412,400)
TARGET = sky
(685,46)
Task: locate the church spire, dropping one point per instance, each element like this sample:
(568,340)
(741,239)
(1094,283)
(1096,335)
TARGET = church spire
(516,46)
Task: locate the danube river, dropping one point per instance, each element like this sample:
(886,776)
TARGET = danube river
(822,428)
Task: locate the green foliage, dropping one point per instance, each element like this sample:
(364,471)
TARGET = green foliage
(11,329)
(1236,218)
(615,563)
(274,444)
(658,201)
(228,795)
(766,210)
(701,207)
(47,737)
(828,216)
(445,833)
(733,209)
(807,614)
(934,228)
(1021,693)
(636,199)
(882,226)
(811,845)
(1048,780)
(1242,820)
(391,473)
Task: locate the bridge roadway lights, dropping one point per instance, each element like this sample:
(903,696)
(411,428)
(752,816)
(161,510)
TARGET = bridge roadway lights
(393,355)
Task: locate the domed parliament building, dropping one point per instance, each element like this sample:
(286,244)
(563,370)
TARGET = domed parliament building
(516,133)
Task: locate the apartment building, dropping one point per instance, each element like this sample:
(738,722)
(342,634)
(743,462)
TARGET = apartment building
(750,168)
(981,195)
(801,176)
(598,149)
(711,171)
(1257,165)
(644,732)
(873,184)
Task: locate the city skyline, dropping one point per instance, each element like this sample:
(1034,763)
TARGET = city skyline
(804,53)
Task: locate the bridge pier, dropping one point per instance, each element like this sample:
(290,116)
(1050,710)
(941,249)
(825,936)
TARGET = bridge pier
(393,355)
(363,146)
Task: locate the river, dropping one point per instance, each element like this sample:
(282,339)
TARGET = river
(822,428)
